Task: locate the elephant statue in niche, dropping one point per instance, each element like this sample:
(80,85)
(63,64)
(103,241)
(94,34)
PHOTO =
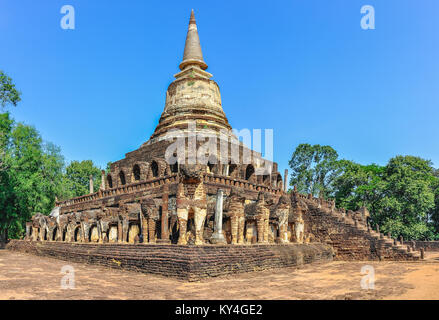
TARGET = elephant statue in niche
(299,208)
(39,227)
(63,221)
(234,208)
(109,222)
(150,214)
(262,218)
(281,213)
(131,221)
(191,202)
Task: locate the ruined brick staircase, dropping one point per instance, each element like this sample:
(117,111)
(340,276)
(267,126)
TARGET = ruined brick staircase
(350,236)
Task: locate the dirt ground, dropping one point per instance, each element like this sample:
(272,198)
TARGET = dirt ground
(24,276)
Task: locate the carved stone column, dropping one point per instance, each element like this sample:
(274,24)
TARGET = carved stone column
(218,236)
(91,184)
(103,180)
(151,230)
(144,229)
(260,228)
(286,180)
(85,231)
(119,231)
(125,228)
(164,217)
(266,229)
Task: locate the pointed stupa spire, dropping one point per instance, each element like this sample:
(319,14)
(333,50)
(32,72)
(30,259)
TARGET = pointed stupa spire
(192,49)
(192,98)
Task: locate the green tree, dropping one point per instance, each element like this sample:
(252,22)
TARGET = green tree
(32,172)
(7,211)
(357,186)
(313,169)
(77,177)
(8,93)
(434,213)
(402,197)
(108,168)
(30,178)
(408,198)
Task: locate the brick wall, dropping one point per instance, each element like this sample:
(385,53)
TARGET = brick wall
(427,245)
(184,262)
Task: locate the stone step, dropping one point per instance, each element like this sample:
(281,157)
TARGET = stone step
(359,230)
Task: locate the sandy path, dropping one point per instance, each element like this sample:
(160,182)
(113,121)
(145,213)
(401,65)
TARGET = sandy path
(24,276)
(425,280)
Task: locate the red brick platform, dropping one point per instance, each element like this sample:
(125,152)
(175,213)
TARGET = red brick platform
(189,263)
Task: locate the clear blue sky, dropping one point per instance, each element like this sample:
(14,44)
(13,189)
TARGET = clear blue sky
(304,68)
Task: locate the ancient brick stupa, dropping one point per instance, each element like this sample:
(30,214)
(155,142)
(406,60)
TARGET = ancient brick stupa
(193,201)
(147,198)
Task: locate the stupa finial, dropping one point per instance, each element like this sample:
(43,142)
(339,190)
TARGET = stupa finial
(192,49)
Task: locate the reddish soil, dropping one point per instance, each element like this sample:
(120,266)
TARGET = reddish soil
(24,276)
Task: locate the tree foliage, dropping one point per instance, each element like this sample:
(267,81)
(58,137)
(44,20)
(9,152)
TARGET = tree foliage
(402,196)
(356,185)
(408,197)
(8,93)
(32,172)
(30,177)
(77,177)
(313,168)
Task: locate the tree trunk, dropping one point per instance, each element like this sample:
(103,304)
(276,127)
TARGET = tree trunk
(3,238)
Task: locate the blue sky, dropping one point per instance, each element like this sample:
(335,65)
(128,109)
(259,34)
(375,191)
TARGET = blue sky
(304,68)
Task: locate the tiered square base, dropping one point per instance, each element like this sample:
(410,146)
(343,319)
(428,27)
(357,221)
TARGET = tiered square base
(189,263)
